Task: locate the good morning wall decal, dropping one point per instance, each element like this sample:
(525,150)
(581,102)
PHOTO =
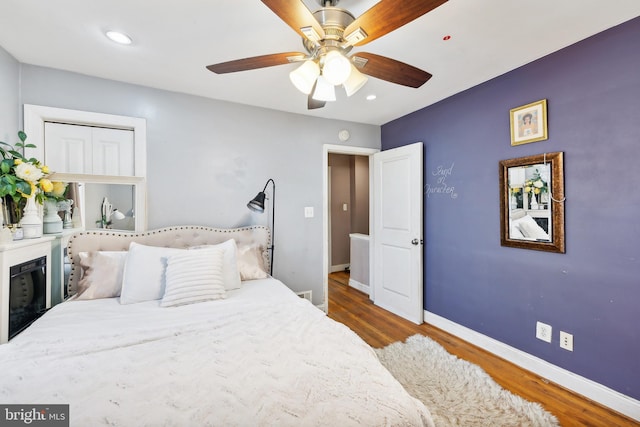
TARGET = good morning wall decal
(441,187)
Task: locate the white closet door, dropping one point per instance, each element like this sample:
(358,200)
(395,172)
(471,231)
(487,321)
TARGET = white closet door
(68,148)
(89,150)
(113,152)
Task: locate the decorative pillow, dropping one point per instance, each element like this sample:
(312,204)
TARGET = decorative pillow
(250,263)
(514,232)
(101,274)
(230,263)
(144,273)
(195,276)
(530,228)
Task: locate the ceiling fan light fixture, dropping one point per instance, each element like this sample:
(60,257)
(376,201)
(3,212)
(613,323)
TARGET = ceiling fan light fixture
(304,77)
(325,91)
(336,68)
(355,81)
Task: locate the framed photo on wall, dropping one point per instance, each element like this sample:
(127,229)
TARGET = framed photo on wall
(529,123)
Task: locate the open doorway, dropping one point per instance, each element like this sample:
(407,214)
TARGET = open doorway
(346,210)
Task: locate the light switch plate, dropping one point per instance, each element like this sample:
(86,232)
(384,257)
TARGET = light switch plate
(308,212)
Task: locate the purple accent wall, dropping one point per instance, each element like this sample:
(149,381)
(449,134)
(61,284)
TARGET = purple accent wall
(593,291)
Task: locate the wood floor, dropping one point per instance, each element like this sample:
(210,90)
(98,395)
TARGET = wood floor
(379,328)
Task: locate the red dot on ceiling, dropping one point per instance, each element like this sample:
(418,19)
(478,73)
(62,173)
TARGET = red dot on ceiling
(445,38)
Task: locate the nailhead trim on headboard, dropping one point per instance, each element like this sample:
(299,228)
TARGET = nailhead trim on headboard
(182,236)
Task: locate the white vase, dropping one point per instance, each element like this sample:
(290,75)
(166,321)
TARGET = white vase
(534,202)
(31,222)
(52,221)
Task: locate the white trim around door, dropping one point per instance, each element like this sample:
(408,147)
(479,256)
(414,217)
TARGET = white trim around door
(326,150)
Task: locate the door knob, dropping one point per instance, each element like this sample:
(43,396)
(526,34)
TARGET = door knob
(415,242)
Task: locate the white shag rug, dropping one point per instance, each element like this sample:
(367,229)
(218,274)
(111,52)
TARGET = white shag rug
(456,392)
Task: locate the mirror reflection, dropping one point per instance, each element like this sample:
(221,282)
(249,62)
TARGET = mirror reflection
(99,205)
(529,207)
(532,202)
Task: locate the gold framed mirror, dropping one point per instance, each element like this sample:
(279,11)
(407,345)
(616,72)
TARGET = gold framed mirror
(532,202)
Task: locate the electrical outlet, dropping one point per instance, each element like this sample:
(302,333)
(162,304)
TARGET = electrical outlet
(543,331)
(566,341)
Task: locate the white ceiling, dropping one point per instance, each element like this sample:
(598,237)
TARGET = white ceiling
(175,40)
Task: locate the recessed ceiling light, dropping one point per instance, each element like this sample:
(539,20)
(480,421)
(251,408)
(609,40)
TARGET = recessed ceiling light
(118,37)
(371,97)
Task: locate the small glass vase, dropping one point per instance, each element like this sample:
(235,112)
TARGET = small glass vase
(11,211)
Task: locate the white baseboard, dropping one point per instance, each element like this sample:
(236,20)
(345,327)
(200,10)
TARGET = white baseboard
(338,267)
(359,286)
(610,398)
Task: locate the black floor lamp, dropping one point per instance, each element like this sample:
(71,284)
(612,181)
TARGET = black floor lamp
(257,205)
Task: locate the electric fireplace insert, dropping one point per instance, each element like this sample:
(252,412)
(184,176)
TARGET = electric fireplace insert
(27,294)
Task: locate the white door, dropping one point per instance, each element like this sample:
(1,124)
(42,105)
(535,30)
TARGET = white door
(113,152)
(68,148)
(88,150)
(397,231)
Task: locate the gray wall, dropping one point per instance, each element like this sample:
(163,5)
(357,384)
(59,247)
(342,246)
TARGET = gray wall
(206,159)
(360,194)
(9,92)
(350,186)
(340,165)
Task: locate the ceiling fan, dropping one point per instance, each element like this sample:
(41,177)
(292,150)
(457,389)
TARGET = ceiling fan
(328,35)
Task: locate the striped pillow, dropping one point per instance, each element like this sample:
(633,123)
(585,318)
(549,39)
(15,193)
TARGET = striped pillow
(194,276)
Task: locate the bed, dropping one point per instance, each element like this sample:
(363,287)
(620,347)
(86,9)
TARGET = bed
(253,355)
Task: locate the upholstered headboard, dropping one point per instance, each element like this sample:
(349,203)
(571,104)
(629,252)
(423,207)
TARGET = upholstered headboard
(171,237)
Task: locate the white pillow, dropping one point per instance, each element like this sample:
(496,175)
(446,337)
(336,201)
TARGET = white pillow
(101,274)
(514,232)
(230,263)
(144,273)
(530,228)
(251,263)
(193,277)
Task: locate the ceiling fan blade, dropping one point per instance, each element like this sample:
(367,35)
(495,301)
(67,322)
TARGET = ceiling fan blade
(388,15)
(256,62)
(390,70)
(296,14)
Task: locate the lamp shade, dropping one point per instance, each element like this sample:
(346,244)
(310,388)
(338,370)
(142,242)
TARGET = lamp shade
(355,81)
(257,203)
(118,215)
(325,91)
(305,76)
(336,68)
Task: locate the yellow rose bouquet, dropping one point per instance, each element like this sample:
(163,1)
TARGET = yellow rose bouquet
(22,178)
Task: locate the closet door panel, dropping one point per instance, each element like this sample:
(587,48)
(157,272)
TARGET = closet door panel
(68,148)
(113,152)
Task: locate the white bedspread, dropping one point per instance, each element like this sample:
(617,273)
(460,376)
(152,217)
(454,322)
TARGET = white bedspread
(261,357)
